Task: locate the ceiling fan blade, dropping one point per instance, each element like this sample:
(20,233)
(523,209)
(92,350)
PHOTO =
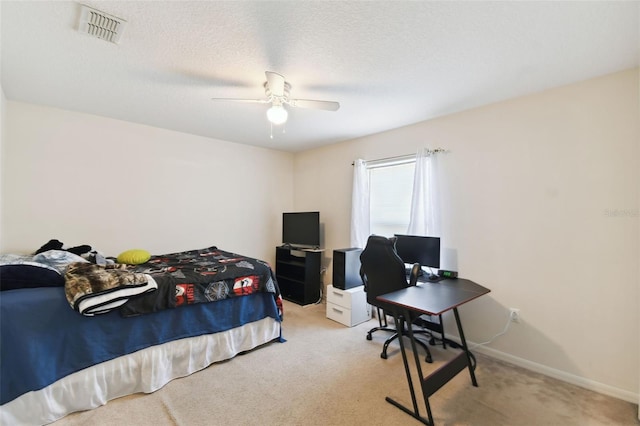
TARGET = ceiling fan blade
(308,103)
(275,82)
(253,101)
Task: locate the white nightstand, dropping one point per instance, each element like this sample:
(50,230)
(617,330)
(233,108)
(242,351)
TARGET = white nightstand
(348,307)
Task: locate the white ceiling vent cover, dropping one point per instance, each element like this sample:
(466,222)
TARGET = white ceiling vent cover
(101,25)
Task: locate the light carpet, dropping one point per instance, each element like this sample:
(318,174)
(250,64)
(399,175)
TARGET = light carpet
(329,374)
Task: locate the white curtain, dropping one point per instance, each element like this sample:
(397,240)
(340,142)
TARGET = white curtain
(425,202)
(360,223)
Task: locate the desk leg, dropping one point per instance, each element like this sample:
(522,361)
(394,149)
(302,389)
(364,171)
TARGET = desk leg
(465,348)
(437,378)
(400,321)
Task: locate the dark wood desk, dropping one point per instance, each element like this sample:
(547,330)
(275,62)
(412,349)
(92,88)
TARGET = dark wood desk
(432,299)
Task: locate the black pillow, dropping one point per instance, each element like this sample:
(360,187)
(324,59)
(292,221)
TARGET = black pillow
(28,276)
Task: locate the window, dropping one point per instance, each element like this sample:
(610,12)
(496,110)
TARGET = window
(385,200)
(391,184)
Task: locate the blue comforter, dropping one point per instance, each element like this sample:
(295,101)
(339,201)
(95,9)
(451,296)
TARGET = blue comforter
(43,340)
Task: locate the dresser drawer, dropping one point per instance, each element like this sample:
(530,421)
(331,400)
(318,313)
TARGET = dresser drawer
(339,313)
(340,297)
(348,307)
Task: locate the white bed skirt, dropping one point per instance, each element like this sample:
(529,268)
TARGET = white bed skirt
(146,370)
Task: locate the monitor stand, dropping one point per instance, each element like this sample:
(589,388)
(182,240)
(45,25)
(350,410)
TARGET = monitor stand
(424,276)
(407,271)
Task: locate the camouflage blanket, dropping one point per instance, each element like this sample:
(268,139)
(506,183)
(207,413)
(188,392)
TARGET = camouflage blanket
(96,289)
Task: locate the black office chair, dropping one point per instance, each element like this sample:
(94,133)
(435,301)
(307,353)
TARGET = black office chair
(382,271)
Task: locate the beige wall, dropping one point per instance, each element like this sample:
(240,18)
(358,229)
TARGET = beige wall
(540,204)
(116,185)
(3,127)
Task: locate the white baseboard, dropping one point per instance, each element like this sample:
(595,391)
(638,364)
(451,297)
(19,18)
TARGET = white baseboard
(558,374)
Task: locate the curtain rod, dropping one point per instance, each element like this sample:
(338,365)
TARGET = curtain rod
(403,157)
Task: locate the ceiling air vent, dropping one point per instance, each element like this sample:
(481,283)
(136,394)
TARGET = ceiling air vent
(100,25)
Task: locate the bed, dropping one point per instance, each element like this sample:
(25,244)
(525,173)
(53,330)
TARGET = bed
(55,361)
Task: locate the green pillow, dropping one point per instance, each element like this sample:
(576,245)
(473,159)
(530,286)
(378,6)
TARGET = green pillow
(134,257)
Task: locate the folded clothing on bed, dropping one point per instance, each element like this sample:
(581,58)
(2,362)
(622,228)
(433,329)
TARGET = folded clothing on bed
(45,269)
(96,289)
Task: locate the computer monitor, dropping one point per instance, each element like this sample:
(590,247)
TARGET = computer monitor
(418,249)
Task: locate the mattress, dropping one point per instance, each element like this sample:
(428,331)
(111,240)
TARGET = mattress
(55,361)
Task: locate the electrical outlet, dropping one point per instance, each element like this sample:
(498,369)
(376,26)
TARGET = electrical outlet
(514,314)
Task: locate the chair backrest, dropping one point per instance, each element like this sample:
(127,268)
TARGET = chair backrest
(382,270)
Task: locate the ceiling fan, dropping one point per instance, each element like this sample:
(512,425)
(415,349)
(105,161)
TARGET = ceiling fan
(277,91)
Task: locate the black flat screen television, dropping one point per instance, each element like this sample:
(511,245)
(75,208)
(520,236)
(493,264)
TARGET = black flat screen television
(418,249)
(301,229)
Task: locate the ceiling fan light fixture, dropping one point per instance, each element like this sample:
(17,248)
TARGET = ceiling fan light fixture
(277,114)
(277,91)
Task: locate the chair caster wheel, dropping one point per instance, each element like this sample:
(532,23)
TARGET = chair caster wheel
(432,341)
(428,359)
(383,355)
(368,337)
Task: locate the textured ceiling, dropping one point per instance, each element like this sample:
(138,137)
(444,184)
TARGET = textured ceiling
(389,64)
